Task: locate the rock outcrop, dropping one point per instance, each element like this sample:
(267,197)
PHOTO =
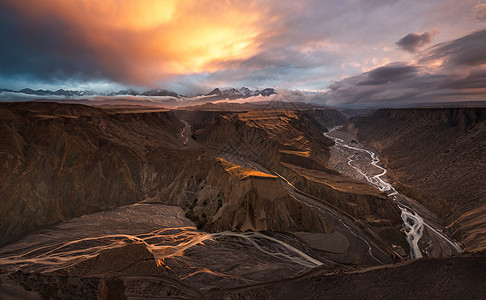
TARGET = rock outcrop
(254,201)
(288,144)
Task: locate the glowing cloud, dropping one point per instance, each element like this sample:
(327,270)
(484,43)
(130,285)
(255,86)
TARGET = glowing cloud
(149,40)
(192,46)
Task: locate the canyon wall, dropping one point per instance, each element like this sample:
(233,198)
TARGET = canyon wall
(289,144)
(59,161)
(438,157)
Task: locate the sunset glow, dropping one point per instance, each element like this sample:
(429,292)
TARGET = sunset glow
(192,46)
(161,38)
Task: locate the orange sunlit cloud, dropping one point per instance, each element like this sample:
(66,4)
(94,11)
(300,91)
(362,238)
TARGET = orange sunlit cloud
(192,46)
(155,39)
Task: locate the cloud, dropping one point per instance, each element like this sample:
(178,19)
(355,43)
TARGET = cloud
(150,40)
(467,51)
(194,45)
(283,95)
(480,11)
(390,73)
(37,54)
(450,71)
(373,87)
(414,41)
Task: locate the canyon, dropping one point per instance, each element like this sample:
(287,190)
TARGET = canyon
(437,156)
(238,201)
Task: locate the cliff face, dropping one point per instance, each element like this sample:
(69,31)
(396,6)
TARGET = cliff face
(437,156)
(326,118)
(62,161)
(251,200)
(289,144)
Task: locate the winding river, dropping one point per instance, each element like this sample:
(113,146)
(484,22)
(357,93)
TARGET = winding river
(364,162)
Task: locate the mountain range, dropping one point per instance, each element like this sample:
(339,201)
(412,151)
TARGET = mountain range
(232,93)
(216,94)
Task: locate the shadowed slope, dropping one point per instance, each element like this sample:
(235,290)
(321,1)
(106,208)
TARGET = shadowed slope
(437,156)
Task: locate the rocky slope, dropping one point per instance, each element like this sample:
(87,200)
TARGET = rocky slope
(448,278)
(131,271)
(326,118)
(438,157)
(265,170)
(251,200)
(59,161)
(288,144)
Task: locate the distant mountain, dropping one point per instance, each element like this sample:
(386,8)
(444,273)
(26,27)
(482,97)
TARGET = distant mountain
(233,93)
(74,93)
(246,92)
(35,92)
(60,92)
(216,94)
(266,92)
(129,92)
(161,92)
(229,93)
(68,93)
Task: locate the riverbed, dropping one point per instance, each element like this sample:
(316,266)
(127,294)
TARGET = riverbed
(425,232)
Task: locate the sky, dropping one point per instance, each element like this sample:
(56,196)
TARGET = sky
(345,51)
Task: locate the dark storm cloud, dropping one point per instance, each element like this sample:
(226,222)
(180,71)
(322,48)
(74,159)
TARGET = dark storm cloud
(469,50)
(390,73)
(414,41)
(423,87)
(407,83)
(42,50)
(476,79)
(450,71)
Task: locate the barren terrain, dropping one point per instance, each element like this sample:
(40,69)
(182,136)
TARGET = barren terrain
(123,202)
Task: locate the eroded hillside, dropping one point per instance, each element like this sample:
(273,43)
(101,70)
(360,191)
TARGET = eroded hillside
(437,156)
(286,144)
(256,185)
(62,161)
